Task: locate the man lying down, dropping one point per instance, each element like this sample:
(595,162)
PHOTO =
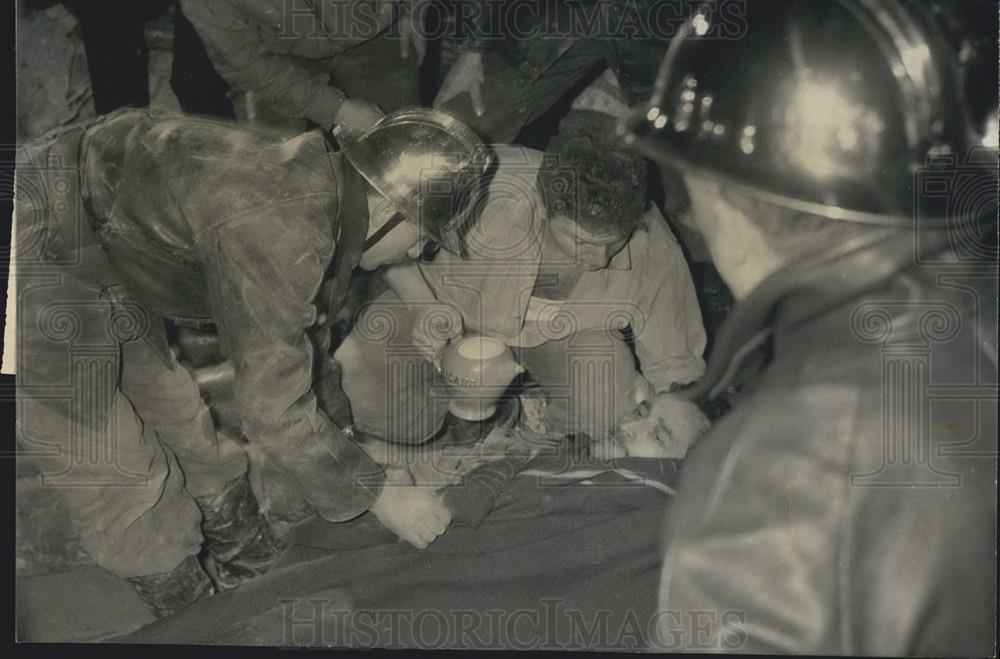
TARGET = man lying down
(471,475)
(555,543)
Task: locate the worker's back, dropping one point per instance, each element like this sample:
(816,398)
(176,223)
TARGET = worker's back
(161,190)
(846,505)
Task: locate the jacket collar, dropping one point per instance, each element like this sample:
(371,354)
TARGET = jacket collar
(352,195)
(804,289)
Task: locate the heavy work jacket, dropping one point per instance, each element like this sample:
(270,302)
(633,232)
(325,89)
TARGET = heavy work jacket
(210,222)
(277,48)
(531,35)
(847,503)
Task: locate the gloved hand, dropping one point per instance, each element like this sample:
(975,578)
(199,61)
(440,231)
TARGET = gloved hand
(436,324)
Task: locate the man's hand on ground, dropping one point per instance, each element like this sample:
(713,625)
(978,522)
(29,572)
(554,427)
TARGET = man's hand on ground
(415,514)
(466,75)
(357,116)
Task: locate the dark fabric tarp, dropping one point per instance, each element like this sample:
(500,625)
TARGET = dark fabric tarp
(553,566)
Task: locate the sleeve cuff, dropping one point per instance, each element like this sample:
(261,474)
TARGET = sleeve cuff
(365,488)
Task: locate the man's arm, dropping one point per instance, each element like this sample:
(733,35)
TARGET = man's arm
(406,281)
(239,56)
(262,278)
(491,284)
(670,337)
(752,536)
(436,322)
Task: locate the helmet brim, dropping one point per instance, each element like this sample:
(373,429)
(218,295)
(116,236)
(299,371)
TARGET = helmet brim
(368,161)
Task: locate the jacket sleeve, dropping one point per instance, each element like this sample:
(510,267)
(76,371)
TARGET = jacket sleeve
(670,336)
(775,545)
(752,534)
(239,55)
(261,280)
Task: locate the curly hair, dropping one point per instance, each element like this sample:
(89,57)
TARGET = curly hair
(599,186)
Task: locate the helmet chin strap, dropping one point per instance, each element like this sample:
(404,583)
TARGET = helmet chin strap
(391,223)
(380,233)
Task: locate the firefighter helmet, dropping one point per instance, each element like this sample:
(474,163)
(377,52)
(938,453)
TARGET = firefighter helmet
(832,108)
(428,164)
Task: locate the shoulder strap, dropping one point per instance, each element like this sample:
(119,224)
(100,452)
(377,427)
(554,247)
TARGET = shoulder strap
(349,227)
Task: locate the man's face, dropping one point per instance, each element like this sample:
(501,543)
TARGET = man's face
(645,435)
(589,251)
(663,427)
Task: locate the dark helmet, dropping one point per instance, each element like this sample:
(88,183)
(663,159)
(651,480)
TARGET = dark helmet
(832,107)
(428,164)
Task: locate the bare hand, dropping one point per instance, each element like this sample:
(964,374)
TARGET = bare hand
(466,75)
(357,116)
(642,389)
(411,32)
(413,513)
(435,326)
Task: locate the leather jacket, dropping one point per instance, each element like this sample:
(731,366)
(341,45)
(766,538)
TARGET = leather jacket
(847,503)
(210,222)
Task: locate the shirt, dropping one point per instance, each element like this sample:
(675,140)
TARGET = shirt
(647,286)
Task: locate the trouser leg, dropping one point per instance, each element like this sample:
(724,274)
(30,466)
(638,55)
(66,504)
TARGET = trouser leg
(167,400)
(395,394)
(125,495)
(238,537)
(124,492)
(588,378)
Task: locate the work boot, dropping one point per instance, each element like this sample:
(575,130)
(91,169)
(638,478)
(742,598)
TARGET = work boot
(169,592)
(238,539)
